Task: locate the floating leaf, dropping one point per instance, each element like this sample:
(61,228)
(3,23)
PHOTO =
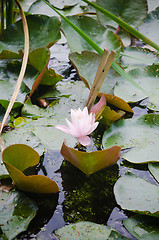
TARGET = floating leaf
(138,136)
(117,102)
(16,212)
(5,54)
(39,57)
(105,38)
(90,162)
(109,116)
(135,57)
(151,23)
(34,183)
(86,64)
(87,230)
(140,227)
(61,4)
(154,169)
(19,157)
(146,78)
(16,153)
(136,194)
(132,12)
(43,31)
(152,5)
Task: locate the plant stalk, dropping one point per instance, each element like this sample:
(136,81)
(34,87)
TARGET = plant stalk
(9,12)
(2,16)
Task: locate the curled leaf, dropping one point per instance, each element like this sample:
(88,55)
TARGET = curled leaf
(19,157)
(90,162)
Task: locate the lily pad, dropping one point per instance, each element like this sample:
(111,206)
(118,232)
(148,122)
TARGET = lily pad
(152,5)
(117,102)
(62,4)
(19,157)
(43,31)
(136,194)
(86,64)
(102,36)
(15,155)
(132,12)
(16,212)
(136,135)
(150,25)
(142,227)
(135,57)
(87,230)
(147,78)
(154,169)
(39,57)
(39,7)
(90,162)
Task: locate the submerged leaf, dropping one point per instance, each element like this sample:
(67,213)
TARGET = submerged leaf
(142,227)
(90,162)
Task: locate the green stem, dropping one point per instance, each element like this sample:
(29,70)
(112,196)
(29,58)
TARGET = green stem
(98,49)
(2,16)
(9,12)
(124,25)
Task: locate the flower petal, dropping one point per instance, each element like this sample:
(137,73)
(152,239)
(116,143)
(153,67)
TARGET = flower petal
(85,140)
(63,128)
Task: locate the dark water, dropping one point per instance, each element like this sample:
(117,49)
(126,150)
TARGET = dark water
(81,198)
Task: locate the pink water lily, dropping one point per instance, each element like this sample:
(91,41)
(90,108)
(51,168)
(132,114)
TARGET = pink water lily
(81,126)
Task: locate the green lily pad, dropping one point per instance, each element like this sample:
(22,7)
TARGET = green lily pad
(62,4)
(150,25)
(136,194)
(135,57)
(86,64)
(16,212)
(142,227)
(154,169)
(15,155)
(39,57)
(90,162)
(34,183)
(147,78)
(26,4)
(43,31)
(19,157)
(39,7)
(132,12)
(117,102)
(87,230)
(102,36)
(136,135)
(5,54)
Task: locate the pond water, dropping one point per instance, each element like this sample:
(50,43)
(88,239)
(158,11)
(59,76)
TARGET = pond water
(81,198)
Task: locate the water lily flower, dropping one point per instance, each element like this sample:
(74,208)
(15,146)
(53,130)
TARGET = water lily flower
(81,126)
